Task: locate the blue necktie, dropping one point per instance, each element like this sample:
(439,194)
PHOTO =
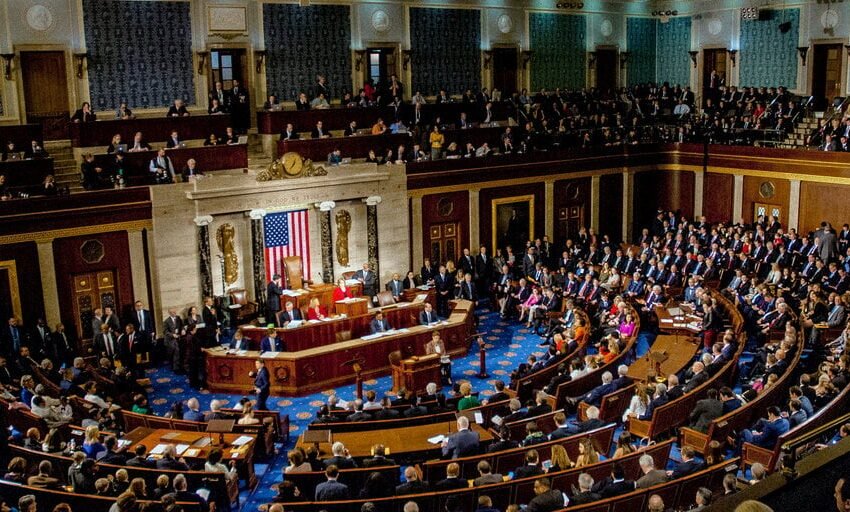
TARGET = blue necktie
(16,340)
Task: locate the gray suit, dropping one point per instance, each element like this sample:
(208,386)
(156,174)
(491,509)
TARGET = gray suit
(461,444)
(654,477)
(705,410)
(370,282)
(173,328)
(828,246)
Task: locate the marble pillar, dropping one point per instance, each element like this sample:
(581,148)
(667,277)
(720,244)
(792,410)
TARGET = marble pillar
(258,257)
(738,198)
(372,234)
(325,208)
(204,257)
(595,188)
(794,205)
(49,290)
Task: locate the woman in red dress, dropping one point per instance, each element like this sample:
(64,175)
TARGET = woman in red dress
(316,311)
(341,291)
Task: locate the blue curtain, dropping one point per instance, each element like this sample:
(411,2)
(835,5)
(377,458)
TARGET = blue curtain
(767,56)
(559,43)
(640,36)
(446,50)
(674,43)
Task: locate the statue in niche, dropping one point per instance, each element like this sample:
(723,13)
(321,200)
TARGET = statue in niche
(224,236)
(343,226)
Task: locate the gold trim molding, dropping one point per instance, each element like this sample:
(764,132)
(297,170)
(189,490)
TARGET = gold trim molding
(12,268)
(49,236)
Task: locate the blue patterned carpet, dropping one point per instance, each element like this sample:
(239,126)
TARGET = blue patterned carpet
(508,345)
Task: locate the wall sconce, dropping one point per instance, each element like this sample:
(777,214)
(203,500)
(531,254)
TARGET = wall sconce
(732,55)
(261,59)
(405,59)
(488,57)
(803,51)
(82,60)
(693,54)
(591,59)
(624,59)
(359,55)
(7,70)
(526,57)
(202,60)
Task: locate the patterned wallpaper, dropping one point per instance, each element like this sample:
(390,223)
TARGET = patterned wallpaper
(139,52)
(673,43)
(767,56)
(640,35)
(559,43)
(446,47)
(293,35)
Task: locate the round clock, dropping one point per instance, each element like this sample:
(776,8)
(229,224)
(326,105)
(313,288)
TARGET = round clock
(293,164)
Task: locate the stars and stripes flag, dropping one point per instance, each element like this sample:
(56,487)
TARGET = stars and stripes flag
(286,234)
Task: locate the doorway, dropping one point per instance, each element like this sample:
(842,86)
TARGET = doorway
(826,74)
(505,62)
(570,221)
(713,59)
(229,66)
(444,243)
(606,70)
(381,65)
(92,290)
(45,82)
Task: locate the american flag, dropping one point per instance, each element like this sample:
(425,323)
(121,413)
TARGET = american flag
(286,234)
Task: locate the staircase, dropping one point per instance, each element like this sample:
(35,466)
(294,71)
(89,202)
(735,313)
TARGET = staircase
(797,138)
(66,170)
(257,161)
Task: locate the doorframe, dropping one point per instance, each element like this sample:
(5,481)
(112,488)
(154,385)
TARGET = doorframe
(78,88)
(358,77)
(11,267)
(701,70)
(488,76)
(618,69)
(256,86)
(842,59)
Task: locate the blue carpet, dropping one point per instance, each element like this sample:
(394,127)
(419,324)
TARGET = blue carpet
(508,345)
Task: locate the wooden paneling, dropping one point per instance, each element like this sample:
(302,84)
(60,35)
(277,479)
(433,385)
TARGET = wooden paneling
(442,209)
(611,205)
(717,196)
(753,194)
(667,190)
(25,256)
(487,195)
(574,196)
(68,257)
(44,81)
(823,202)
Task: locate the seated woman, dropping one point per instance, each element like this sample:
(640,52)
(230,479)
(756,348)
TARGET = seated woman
(587,453)
(316,310)
(212,140)
(16,471)
(341,291)
(527,307)
(248,415)
(92,446)
(297,464)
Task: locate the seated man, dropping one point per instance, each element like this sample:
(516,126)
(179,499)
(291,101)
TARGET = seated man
(161,168)
(687,466)
(594,397)
(428,316)
(319,131)
(331,490)
(174,140)
(379,323)
(412,484)
(341,458)
(271,342)
(177,109)
(768,430)
(191,170)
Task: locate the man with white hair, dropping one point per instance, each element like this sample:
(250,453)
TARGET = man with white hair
(585,494)
(462,443)
(411,506)
(215,411)
(623,378)
(194,410)
(699,376)
(341,458)
(651,476)
(592,422)
(655,504)
(594,397)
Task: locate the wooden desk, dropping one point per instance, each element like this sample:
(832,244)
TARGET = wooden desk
(26,173)
(409,443)
(678,323)
(324,292)
(416,372)
(155,129)
(244,455)
(680,351)
(357,146)
(321,368)
(353,307)
(208,158)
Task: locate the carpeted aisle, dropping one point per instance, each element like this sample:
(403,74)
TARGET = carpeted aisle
(508,345)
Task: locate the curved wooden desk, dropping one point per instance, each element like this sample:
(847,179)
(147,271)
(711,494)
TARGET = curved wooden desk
(320,368)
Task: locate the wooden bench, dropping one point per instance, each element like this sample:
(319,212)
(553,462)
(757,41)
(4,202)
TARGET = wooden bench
(612,406)
(353,478)
(587,382)
(523,388)
(47,499)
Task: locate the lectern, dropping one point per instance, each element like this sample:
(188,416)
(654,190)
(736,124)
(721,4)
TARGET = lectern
(415,373)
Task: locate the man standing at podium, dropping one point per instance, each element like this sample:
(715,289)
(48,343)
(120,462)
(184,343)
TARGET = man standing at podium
(273,292)
(261,384)
(436,346)
(369,281)
(462,443)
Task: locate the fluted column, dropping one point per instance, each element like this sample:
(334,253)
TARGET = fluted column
(204,258)
(258,257)
(372,235)
(325,208)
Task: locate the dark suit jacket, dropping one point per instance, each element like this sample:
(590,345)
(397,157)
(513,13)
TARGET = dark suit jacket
(423,317)
(548,501)
(448,484)
(686,468)
(612,488)
(285,316)
(340,462)
(377,461)
(415,487)
(696,381)
(273,292)
(332,491)
(705,411)
(261,381)
(462,444)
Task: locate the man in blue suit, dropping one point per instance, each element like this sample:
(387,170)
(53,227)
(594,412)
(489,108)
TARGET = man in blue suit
(771,429)
(462,443)
(379,323)
(658,399)
(594,397)
(635,288)
(271,343)
(331,490)
(261,384)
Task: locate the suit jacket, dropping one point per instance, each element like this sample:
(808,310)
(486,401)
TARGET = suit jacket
(450,484)
(771,432)
(261,381)
(379,325)
(283,317)
(273,292)
(332,490)
(425,318)
(395,287)
(378,461)
(461,444)
(617,488)
(686,468)
(705,411)
(654,477)
(591,424)
(696,381)
(340,462)
(173,326)
(415,487)
(654,404)
(100,342)
(595,396)
(467,291)
(370,281)
(444,282)
(267,345)
(548,501)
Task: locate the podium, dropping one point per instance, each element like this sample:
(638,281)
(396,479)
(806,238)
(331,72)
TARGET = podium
(352,307)
(415,373)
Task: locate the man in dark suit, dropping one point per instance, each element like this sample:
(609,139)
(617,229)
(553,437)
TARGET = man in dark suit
(531,466)
(13,338)
(483,270)
(594,397)
(462,443)
(273,292)
(358,414)
(412,485)
(729,400)
(659,398)
(271,342)
(396,287)
(173,332)
(289,133)
(585,493)
(705,411)
(541,406)
(592,422)
(290,313)
(545,498)
(319,132)
(331,490)
(529,262)
(63,345)
(386,412)
(616,484)
(211,324)
(261,384)
(699,377)
(112,456)
(452,480)
(687,466)
(770,431)
(369,280)
(428,316)
(106,343)
(651,476)
(169,460)
(379,323)
(143,321)
(444,284)
(341,458)
(140,460)
(130,344)
(466,289)
(562,427)
(379,458)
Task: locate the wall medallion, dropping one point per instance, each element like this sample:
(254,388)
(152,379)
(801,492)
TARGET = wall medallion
(92,251)
(39,17)
(829,19)
(380,21)
(714,26)
(505,24)
(767,189)
(445,206)
(606,28)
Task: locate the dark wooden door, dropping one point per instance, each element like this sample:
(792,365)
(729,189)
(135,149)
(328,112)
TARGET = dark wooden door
(45,92)
(606,69)
(444,242)
(570,221)
(505,70)
(826,75)
(91,291)
(712,59)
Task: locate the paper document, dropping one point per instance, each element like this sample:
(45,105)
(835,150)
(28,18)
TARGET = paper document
(242,440)
(123,443)
(159,449)
(192,452)
(269,355)
(479,418)
(437,439)
(294,323)
(496,419)
(181,448)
